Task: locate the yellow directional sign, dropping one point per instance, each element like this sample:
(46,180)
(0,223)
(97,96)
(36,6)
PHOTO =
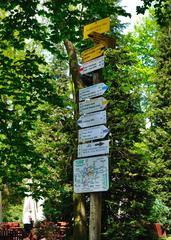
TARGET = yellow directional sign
(92,53)
(100,26)
(92,50)
(92,56)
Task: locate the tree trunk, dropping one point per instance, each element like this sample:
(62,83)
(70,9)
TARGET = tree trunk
(80,228)
(0,206)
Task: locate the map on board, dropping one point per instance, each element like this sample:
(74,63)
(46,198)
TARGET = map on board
(91,174)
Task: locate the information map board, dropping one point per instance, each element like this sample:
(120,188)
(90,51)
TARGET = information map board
(91,174)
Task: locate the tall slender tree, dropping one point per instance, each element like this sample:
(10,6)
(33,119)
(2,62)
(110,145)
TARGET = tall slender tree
(159,139)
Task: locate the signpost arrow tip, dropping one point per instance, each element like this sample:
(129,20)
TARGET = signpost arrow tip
(106,130)
(105,87)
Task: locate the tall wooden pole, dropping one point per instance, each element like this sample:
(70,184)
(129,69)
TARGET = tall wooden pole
(95,216)
(0,206)
(95,198)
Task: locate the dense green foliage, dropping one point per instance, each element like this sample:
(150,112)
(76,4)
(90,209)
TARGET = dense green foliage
(33,142)
(162,10)
(129,68)
(159,138)
(37,124)
(28,85)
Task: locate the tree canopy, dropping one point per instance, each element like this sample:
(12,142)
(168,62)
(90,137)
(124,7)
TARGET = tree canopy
(39,109)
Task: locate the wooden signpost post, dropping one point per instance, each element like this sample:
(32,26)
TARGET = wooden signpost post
(91,173)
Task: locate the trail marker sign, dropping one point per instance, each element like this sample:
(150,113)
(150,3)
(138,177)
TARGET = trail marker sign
(92,149)
(93,105)
(93,52)
(93,133)
(92,91)
(92,65)
(92,119)
(108,42)
(100,26)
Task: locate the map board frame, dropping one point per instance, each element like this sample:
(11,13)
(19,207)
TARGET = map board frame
(91,174)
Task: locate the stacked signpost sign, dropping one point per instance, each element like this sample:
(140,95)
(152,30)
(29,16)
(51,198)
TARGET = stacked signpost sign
(91,171)
(91,174)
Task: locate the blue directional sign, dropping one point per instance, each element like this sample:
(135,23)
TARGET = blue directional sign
(92,91)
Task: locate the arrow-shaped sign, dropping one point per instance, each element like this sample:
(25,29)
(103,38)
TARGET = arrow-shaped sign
(93,133)
(92,65)
(92,119)
(108,42)
(92,149)
(92,91)
(92,53)
(91,56)
(93,105)
(99,26)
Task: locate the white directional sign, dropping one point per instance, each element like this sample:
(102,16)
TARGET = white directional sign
(93,133)
(91,174)
(92,105)
(92,149)
(92,65)
(92,91)
(92,119)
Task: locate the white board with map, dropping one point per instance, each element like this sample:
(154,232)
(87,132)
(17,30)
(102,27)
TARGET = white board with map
(91,174)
